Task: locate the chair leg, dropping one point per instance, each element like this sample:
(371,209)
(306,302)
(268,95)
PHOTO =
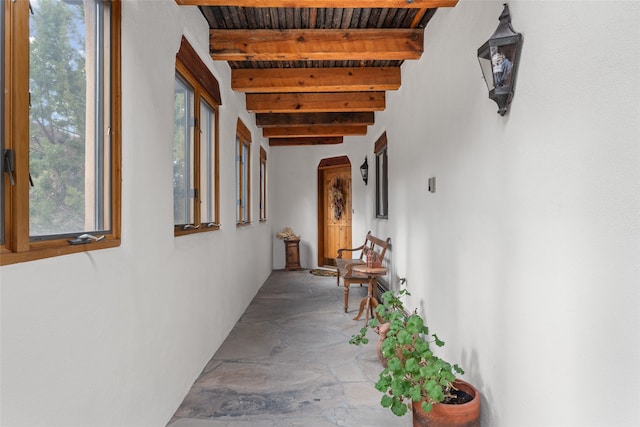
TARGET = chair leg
(346,297)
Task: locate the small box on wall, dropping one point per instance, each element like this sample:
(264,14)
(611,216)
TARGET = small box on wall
(432,184)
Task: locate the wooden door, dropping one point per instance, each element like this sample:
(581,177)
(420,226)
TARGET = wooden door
(334,212)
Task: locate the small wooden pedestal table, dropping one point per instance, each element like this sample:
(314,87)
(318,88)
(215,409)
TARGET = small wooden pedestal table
(370,302)
(292,254)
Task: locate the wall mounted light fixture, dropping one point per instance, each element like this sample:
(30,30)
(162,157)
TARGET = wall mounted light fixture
(499,57)
(364,171)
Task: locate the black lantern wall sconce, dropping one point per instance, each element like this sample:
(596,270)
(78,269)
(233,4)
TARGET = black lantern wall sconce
(499,58)
(364,171)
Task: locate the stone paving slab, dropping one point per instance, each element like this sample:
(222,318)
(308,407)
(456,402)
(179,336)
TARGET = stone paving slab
(287,363)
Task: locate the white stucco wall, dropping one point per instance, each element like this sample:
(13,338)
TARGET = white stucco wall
(525,260)
(117,337)
(532,239)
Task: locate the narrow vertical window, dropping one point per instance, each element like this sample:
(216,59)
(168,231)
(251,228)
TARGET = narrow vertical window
(263,184)
(208,165)
(195,145)
(183,150)
(2,147)
(243,175)
(382,188)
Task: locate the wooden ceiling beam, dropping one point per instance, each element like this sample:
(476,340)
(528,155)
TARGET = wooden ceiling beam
(315,102)
(266,120)
(300,131)
(316,44)
(401,4)
(351,79)
(283,142)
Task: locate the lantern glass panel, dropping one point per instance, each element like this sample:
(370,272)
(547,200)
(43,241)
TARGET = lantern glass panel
(487,72)
(502,60)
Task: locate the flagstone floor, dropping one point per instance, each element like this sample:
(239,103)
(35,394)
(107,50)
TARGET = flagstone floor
(287,362)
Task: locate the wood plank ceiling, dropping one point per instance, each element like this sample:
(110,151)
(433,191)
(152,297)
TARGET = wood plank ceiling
(314,71)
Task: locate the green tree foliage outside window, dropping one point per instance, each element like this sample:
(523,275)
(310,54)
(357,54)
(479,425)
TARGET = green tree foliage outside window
(59,137)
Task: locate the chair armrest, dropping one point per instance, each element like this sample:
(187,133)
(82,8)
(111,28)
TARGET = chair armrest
(349,250)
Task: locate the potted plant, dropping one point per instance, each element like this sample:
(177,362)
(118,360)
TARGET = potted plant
(414,377)
(390,310)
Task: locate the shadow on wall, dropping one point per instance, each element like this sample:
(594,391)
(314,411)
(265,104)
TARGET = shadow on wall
(472,364)
(305,253)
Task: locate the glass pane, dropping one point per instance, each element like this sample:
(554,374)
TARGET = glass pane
(238,179)
(487,72)
(182,153)
(502,58)
(69,149)
(2,124)
(384,185)
(381,184)
(263,189)
(207,163)
(245,183)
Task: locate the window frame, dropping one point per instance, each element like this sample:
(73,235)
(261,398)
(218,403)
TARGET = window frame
(192,70)
(263,184)
(18,246)
(382,177)
(243,182)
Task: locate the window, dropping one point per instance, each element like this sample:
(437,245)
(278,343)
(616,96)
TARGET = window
(2,160)
(382,188)
(243,174)
(61,137)
(195,145)
(263,184)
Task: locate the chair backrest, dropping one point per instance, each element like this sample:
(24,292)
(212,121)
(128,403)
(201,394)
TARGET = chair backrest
(372,243)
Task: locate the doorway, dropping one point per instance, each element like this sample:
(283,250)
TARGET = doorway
(334,209)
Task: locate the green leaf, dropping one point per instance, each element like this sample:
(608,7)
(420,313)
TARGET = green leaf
(399,387)
(404,337)
(435,391)
(399,408)
(388,346)
(426,406)
(422,347)
(411,365)
(439,342)
(386,401)
(415,324)
(394,364)
(415,393)
(427,371)
(383,383)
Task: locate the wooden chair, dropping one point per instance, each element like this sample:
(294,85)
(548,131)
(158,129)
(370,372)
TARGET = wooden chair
(371,244)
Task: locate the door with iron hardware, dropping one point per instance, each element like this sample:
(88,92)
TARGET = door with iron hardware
(334,209)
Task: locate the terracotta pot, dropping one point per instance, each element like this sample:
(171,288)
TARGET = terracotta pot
(382,334)
(449,415)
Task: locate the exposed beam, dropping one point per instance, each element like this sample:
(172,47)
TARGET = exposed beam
(298,131)
(311,119)
(281,142)
(316,44)
(404,4)
(352,79)
(315,102)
